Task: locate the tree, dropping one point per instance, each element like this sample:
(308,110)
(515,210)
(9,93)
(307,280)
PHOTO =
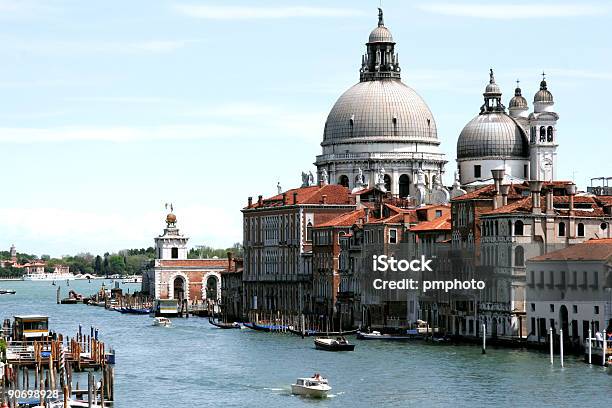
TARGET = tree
(98,265)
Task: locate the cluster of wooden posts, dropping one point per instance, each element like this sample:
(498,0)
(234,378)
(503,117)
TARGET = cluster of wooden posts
(43,367)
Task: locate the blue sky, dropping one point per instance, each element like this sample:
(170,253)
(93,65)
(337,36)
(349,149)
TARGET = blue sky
(110,109)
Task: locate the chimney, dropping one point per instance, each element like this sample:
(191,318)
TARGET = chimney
(229,261)
(284,198)
(504,189)
(324,198)
(498,176)
(295,197)
(571,192)
(535,187)
(367,214)
(250,202)
(260,200)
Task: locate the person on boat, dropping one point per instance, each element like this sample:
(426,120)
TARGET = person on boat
(599,338)
(316,376)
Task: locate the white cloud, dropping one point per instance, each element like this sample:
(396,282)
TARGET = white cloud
(248,12)
(514,11)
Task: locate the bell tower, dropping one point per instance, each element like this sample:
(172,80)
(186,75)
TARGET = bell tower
(171,245)
(543,135)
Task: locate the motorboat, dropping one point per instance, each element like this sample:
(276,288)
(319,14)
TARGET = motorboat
(313,387)
(333,344)
(162,321)
(315,333)
(376,335)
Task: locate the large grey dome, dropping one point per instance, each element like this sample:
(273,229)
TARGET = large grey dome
(492,134)
(383,110)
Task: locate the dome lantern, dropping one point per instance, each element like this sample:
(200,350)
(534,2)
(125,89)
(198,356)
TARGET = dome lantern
(518,106)
(492,97)
(380,60)
(543,99)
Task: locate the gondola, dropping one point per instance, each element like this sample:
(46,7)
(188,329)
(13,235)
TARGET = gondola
(222,325)
(137,311)
(314,333)
(265,328)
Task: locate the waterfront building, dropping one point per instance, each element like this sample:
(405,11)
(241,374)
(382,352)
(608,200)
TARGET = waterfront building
(380,131)
(278,233)
(231,290)
(495,139)
(570,290)
(173,276)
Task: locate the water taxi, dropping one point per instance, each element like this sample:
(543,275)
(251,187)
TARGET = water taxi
(314,387)
(162,321)
(331,344)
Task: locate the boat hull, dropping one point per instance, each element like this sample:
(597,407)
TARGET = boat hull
(385,337)
(309,391)
(319,345)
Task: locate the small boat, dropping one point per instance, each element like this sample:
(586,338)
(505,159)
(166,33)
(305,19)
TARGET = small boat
(222,325)
(135,310)
(7,292)
(376,335)
(331,344)
(265,327)
(314,387)
(162,321)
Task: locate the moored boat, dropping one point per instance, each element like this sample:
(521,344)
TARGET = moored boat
(315,333)
(7,292)
(376,335)
(223,325)
(314,387)
(333,344)
(265,327)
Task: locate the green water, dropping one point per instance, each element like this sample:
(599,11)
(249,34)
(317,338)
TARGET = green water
(194,364)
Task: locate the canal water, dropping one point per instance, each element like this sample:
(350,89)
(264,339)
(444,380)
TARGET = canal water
(194,364)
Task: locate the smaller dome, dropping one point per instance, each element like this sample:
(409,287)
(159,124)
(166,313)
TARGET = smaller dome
(171,218)
(543,95)
(518,101)
(380,34)
(493,88)
(493,134)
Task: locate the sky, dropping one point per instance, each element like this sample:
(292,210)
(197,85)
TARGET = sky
(109,109)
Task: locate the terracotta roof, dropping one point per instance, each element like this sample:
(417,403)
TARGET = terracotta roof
(343,220)
(439,224)
(591,250)
(194,263)
(524,205)
(336,194)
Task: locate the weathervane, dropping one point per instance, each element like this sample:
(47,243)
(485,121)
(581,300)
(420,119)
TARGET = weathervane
(169,205)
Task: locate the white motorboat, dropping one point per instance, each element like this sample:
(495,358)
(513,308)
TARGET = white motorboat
(162,321)
(313,387)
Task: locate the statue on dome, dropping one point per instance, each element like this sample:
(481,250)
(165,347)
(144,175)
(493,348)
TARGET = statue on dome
(457,190)
(440,194)
(324,177)
(310,179)
(279,188)
(360,182)
(304,179)
(380,179)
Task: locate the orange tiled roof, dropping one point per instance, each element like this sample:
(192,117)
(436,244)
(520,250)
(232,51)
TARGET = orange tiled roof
(439,224)
(525,206)
(591,250)
(336,194)
(344,220)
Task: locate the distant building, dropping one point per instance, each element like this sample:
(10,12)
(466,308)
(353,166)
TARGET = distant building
(173,276)
(570,289)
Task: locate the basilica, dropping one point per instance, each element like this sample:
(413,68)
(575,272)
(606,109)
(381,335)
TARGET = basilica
(380,132)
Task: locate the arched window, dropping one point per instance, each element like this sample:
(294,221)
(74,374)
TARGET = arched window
(549,134)
(343,180)
(603,226)
(309,232)
(387,182)
(580,228)
(561,229)
(533,134)
(542,134)
(404,186)
(519,256)
(519,228)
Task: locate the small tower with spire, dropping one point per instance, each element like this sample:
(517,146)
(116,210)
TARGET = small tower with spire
(543,135)
(13,254)
(518,107)
(380,60)
(492,97)
(171,244)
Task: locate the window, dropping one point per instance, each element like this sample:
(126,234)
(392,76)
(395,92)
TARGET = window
(552,308)
(525,171)
(603,226)
(343,180)
(561,229)
(393,236)
(542,134)
(580,229)
(549,134)
(596,309)
(574,309)
(518,228)
(595,279)
(551,275)
(533,307)
(519,256)
(387,182)
(404,186)
(533,134)
(174,253)
(477,170)
(438,213)
(309,232)
(531,278)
